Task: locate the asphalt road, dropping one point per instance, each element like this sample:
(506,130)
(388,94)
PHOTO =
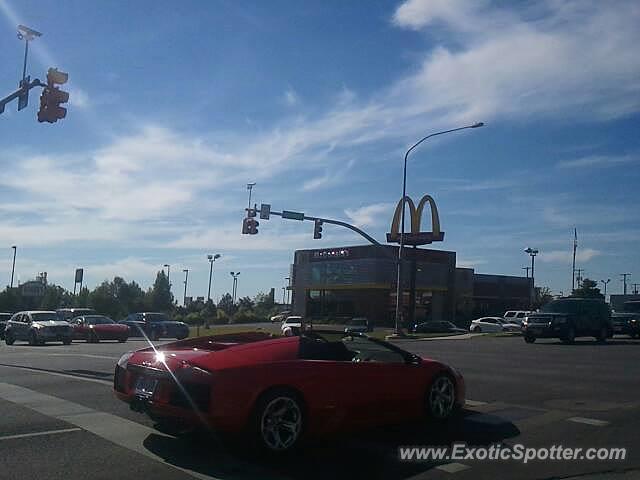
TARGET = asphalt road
(60,420)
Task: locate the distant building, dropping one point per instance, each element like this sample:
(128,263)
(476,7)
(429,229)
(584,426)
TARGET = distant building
(343,282)
(617,301)
(34,288)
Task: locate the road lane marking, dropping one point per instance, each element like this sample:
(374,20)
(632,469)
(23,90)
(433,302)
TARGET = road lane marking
(589,421)
(117,430)
(58,374)
(39,434)
(474,403)
(453,467)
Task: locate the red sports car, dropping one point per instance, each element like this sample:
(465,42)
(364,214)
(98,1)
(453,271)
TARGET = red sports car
(94,328)
(283,389)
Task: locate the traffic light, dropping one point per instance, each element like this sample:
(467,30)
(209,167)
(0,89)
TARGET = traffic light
(51,98)
(250,226)
(317,229)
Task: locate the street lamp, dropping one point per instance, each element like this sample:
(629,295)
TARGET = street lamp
(605,283)
(404,194)
(532,252)
(235,285)
(186,279)
(288,280)
(13,268)
(168,267)
(212,259)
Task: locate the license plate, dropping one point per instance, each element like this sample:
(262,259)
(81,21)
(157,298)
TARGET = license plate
(145,386)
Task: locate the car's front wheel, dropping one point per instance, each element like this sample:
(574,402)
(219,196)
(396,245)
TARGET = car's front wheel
(440,398)
(279,421)
(570,336)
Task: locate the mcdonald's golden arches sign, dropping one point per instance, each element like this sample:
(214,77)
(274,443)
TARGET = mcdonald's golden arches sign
(415,236)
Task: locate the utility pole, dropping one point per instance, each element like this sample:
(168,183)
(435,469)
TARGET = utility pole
(186,279)
(573,270)
(532,253)
(235,285)
(579,272)
(13,267)
(605,283)
(635,288)
(250,188)
(624,281)
(288,287)
(527,269)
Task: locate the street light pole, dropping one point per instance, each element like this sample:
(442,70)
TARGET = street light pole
(13,267)
(250,188)
(234,288)
(605,283)
(288,287)
(212,259)
(532,252)
(404,195)
(168,274)
(527,269)
(186,279)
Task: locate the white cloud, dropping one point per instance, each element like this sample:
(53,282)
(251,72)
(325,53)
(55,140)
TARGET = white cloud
(598,161)
(79,98)
(417,14)
(470,262)
(369,215)
(291,98)
(566,256)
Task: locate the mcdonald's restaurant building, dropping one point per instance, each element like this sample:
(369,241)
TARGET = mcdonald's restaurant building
(350,281)
(354,281)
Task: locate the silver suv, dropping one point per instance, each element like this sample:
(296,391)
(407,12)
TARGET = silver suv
(37,327)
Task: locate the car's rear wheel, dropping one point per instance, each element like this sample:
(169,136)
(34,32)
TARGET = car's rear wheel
(602,335)
(529,338)
(122,339)
(477,330)
(8,338)
(570,336)
(440,398)
(279,421)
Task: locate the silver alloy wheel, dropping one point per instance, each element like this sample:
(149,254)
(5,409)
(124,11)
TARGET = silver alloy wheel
(441,397)
(281,423)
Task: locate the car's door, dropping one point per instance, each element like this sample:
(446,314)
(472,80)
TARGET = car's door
(489,325)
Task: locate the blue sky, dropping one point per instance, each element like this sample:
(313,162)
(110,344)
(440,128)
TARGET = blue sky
(176,106)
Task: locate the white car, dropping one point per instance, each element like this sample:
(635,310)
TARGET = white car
(291,326)
(493,325)
(516,316)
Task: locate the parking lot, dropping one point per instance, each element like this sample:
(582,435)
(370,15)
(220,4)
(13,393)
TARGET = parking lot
(61,420)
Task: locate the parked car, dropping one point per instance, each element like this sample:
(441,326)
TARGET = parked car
(359,324)
(360,382)
(94,328)
(4,318)
(436,327)
(280,316)
(626,324)
(493,325)
(516,316)
(568,318)
(155,326)
(67,314)
(37,327)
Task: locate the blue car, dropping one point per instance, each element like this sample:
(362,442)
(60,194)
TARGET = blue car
(155,326)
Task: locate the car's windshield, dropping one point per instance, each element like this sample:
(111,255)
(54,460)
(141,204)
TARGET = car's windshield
(97,320)
(156,317)
(44,317)
(559,306)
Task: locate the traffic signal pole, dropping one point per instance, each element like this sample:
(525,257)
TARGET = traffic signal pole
(20,92)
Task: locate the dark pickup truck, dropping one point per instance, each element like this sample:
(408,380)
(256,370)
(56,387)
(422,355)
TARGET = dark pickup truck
(155,326)
(568,318)
(627,322)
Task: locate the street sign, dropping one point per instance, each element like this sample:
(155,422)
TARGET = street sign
(265,211)
(292,215)
(79,275)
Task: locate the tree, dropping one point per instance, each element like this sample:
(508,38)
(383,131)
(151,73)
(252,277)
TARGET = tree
(264,304)
(103,299)
(245,303)
(55,297)
(159,297)
(543,296)
(588,289)
(226,304)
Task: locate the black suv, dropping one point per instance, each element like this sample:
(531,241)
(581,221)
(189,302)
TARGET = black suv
(568,318)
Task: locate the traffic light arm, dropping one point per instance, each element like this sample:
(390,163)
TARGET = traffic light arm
(302,217)
(21,91)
